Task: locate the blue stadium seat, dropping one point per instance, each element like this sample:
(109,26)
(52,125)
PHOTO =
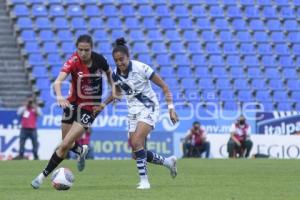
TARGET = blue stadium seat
(239,25)
(167,71)
(263,96)
(203,24)
(272,73)
(243,36)
(202,71)
(96,23)
(269,12)
(188,83)
(162,59)
(172,83)
(39,10)
(43,23)
(92,11)
(234,12)
(212,48)
(78,23)
(282,3)
(199,59)
(228,2)
(223,83)
(154,35)
(216,60)
(252,12)
(295,96)
(247,48)
(230,105)
(184,72)
(68,47)
(245,96)
(293,84)
(267,106)
(251,61)
(227,95)
(56,10)
(233,60)
(110,11)
(221,24)
(194,48)
(180,11)
(237,72)
(65,35)
(47,35)
(208,36)
(264,49)
(265,2)
(104,47)
(209,96)
(28,35)
(61,23)
(172,35)
(205,83)
(280,96)
(145,58)
(276,84)
(162,10)
(296,49)
(230,48)
(273,25)
(286,61)
(36,59)
(226,36)
(74,11)
(150,23)
(145,10)
(136,35)
(282,49)
(43,83)
(294,36)
(287,13)
(185,24)
(284,106)
(291,25)
(127,10)
(114,23)
(261,36)
(219,72)
(256,25)
(254,72)
(278,37)
(32,47)
(258,84)
(290,73)
(167,23)
(50,47)
(216,12)
(39,71)
(100,35)
(21,10)
(268,61)
(181,60)
(199,11)
(241,84)
(132,23)
(190,35)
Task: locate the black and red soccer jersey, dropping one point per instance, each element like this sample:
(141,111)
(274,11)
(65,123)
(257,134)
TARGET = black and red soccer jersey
(86,88)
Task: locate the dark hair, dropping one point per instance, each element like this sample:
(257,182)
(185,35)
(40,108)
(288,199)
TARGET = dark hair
(84,38)
(120,46)
(196,123)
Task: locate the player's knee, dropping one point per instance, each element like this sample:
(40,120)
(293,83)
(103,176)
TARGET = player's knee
(136,144)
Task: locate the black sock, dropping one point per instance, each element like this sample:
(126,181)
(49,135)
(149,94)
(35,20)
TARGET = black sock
(77,148)
(52,164)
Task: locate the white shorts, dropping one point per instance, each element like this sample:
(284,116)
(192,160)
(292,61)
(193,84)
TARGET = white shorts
(148,116)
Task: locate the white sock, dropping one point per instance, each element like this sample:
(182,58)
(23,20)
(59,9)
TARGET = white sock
(41,177)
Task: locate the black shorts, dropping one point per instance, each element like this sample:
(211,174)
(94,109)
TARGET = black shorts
(73,113)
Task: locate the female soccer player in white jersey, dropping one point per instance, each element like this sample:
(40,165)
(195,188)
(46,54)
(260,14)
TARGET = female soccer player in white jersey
(132,78)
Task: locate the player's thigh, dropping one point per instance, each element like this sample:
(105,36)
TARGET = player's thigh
(141,132)
(65,128)
(74,133)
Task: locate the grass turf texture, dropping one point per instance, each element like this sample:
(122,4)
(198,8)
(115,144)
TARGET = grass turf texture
(197,179)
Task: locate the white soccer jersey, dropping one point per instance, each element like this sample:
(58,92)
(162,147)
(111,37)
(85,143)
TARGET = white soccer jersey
(136,87)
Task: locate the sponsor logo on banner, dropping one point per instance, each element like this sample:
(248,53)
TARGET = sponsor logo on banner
(114,145)
(278,123)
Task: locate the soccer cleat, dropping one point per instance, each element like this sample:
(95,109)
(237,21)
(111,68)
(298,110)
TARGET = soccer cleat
(81,158)
(143,185)
(172,166)
(37,182)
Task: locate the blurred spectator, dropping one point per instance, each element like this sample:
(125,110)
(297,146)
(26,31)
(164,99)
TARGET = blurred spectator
(239,143)
(195,143)
(29,115)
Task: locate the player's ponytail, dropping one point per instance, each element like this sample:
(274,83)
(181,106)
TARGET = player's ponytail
(120,46)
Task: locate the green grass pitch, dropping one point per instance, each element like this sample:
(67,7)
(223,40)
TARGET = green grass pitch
(197,179)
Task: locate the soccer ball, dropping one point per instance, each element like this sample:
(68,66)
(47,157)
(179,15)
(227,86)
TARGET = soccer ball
(62,179)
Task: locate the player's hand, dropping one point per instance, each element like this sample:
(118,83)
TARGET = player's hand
(173,116)
(98,109)
(62,102)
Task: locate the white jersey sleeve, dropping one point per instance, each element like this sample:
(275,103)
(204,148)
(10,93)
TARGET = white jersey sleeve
(146,71)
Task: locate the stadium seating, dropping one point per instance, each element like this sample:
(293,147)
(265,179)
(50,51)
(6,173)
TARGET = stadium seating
(241,50)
